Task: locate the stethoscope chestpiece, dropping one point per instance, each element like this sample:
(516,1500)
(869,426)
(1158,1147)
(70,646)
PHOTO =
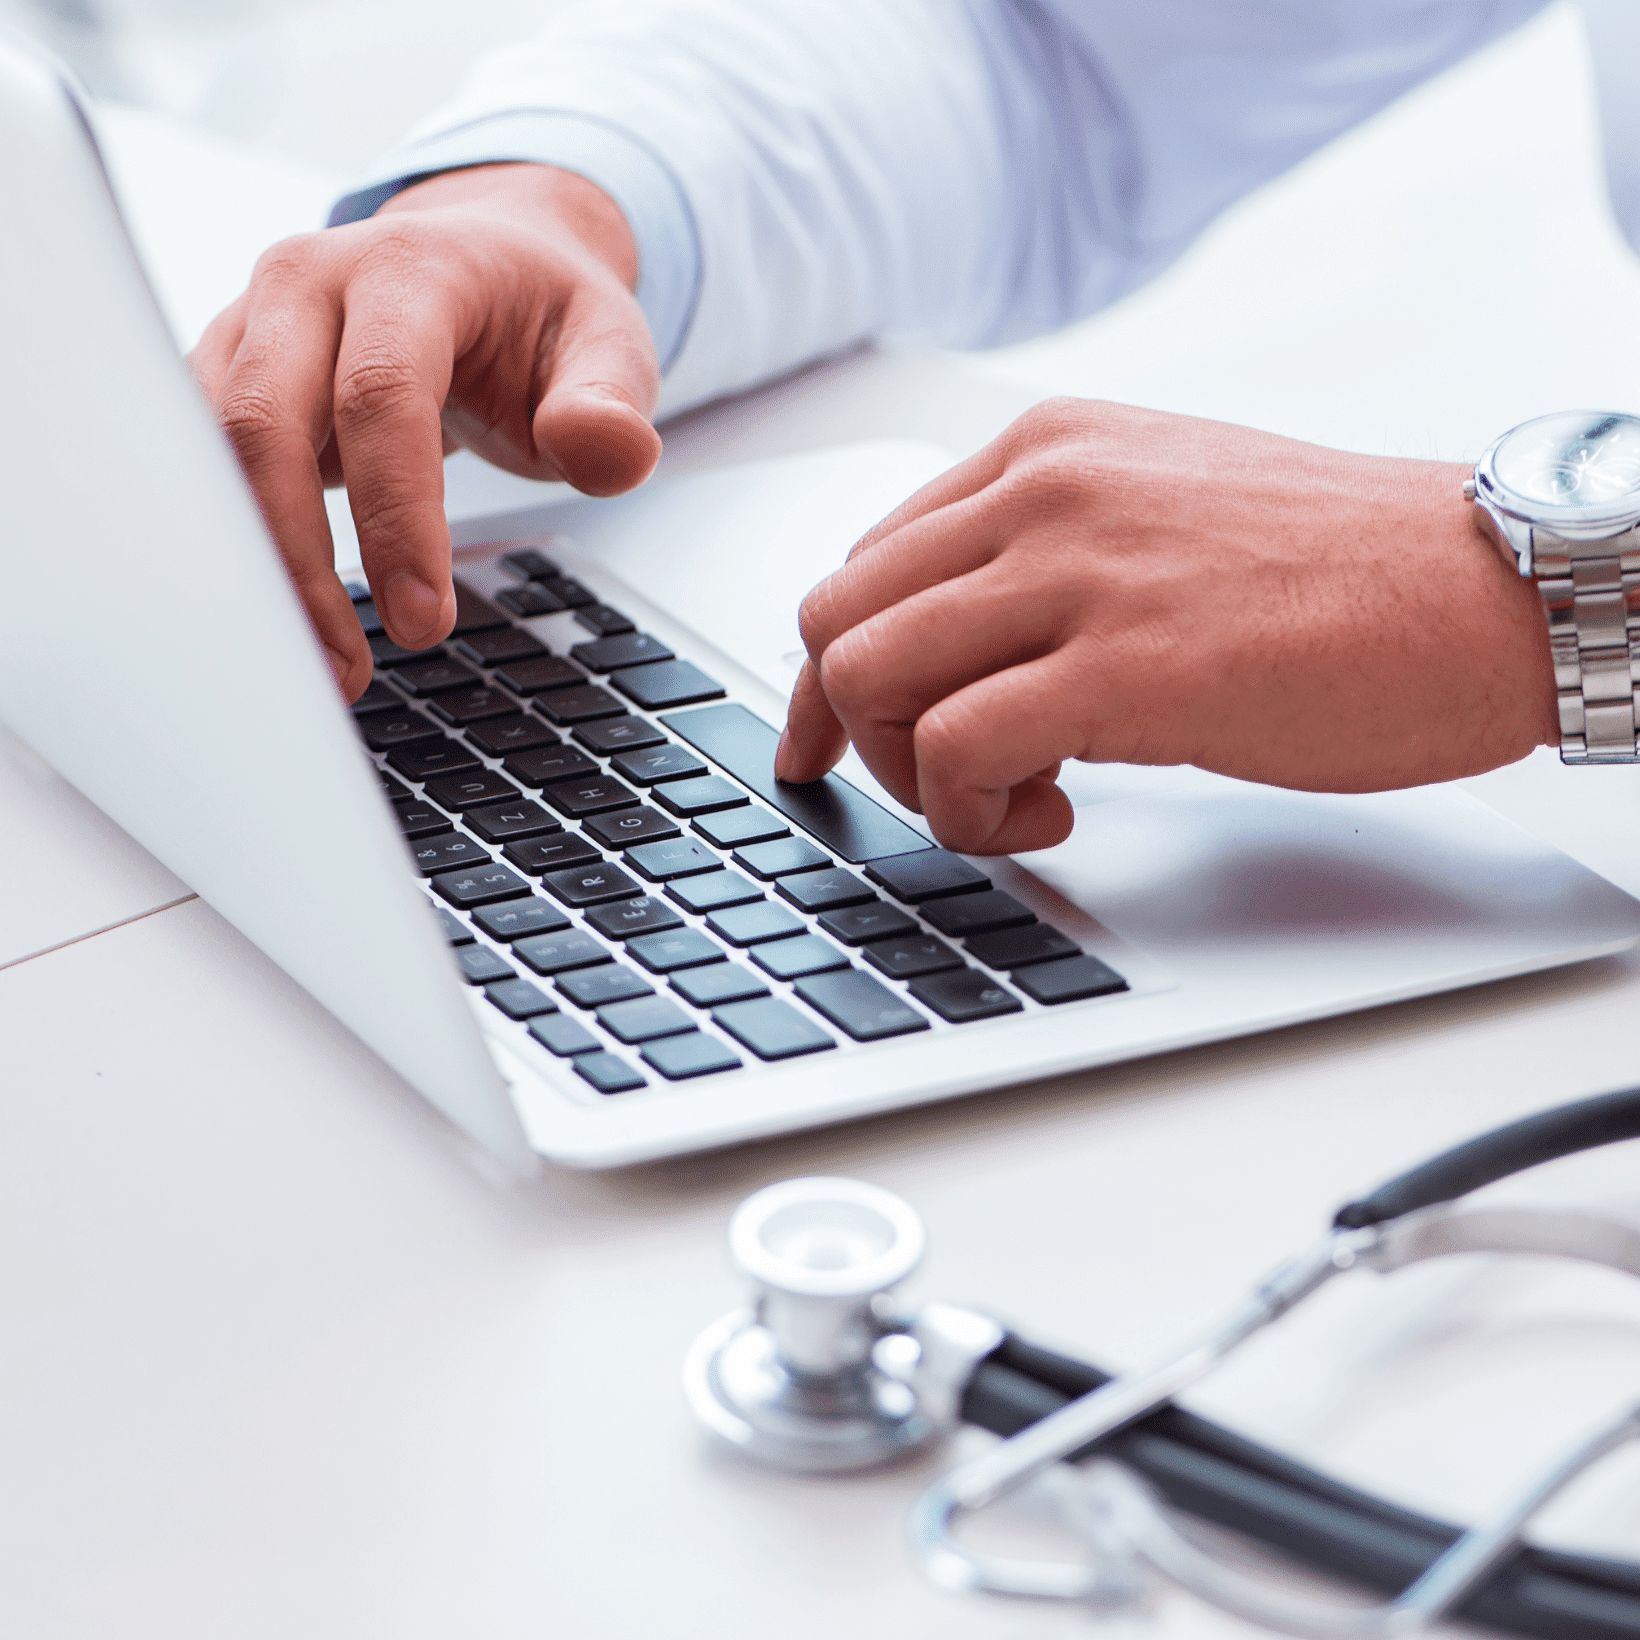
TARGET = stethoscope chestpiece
(820,1374)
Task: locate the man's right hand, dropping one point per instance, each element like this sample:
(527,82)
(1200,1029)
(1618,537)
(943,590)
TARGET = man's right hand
(490,308)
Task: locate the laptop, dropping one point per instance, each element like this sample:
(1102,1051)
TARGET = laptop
(545,870)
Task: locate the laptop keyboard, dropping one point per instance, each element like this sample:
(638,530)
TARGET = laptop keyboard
(613,862)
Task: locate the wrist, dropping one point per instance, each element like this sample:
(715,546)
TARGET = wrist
(1513,634)
(524,191)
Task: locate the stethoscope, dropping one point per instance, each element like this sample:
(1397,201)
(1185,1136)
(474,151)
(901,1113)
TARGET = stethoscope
(823,1374)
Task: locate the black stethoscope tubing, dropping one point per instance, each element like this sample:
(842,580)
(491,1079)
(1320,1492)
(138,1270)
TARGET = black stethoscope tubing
(1221,1477)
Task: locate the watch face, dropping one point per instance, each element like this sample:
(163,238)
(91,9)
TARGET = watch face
(1579,458)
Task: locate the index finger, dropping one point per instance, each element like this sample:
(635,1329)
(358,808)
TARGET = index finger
(393,370)
(270,387)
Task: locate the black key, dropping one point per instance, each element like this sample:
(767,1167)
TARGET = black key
(384,730)
(772,1029)
(566,706)
(467,791)
(434,854)
(625,918)
(528,564)
(518,919)
(559,1034)
(625,649)
(701,796)
(479,885)
(591,884)
(377,697)
(481,966)
(666,683)
(848,822)
(597,795)
(512,643)
(395,789)
(557,953)
(965,914)
(655,763)
(721,982)
(609,1073)
(570,593)
(452,927)
(712,890)
(435,677)
(860,1005)
(856,924)
(502,822)
(733,827)
(1069,980)
(429,758)
(594,987)
(823,890)
(419,819)
(661,862)
(501,737)
(387,654)
(695,1054)
(745,925)
(630,827)
(548,763)
(529,600)
(618,735)
(965,994)
(1018,947)
(644,1018)
(475,614)
(472,705)
(370,619)
(682,948)
(766,861)
(603,620)
(912,956)
(358,591)
(534,677)
(791,959)
(929,874)
(518,999)
(546,854)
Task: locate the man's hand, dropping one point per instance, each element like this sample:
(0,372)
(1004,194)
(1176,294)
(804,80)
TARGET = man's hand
(490,308)
(1122,586)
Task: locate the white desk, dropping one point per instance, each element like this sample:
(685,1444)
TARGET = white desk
(277,1360)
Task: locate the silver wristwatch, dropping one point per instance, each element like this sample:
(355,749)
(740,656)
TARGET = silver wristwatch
(1561,496)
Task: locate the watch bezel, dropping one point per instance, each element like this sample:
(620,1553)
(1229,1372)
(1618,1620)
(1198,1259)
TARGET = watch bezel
(1585,523)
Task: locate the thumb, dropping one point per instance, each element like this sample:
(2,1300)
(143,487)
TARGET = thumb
(593,420)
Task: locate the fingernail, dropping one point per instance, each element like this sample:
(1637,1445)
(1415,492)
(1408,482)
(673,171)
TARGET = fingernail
(412,606)
(783,754)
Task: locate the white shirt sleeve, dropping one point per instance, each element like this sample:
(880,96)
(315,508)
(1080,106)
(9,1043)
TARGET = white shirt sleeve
(802,175)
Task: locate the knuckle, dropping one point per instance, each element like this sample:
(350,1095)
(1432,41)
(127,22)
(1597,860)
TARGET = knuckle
(291,262)
(372,384)
(814,622)
(939,736)
(249,415)
(845,676)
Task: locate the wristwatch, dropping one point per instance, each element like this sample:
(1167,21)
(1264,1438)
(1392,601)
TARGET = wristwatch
(1560,496)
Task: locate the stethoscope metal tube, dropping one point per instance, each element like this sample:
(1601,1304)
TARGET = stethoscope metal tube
(994,1474)
(944,1362)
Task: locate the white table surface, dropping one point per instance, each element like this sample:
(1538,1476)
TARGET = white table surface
(278,1358)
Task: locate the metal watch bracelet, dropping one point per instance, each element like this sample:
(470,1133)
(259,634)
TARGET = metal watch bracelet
(1587,588)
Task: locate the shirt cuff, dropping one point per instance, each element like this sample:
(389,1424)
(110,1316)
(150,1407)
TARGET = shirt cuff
(627,169)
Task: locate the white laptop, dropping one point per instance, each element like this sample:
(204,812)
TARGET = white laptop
(545,870)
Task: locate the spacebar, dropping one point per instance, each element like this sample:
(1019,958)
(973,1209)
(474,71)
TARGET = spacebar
(847,821)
